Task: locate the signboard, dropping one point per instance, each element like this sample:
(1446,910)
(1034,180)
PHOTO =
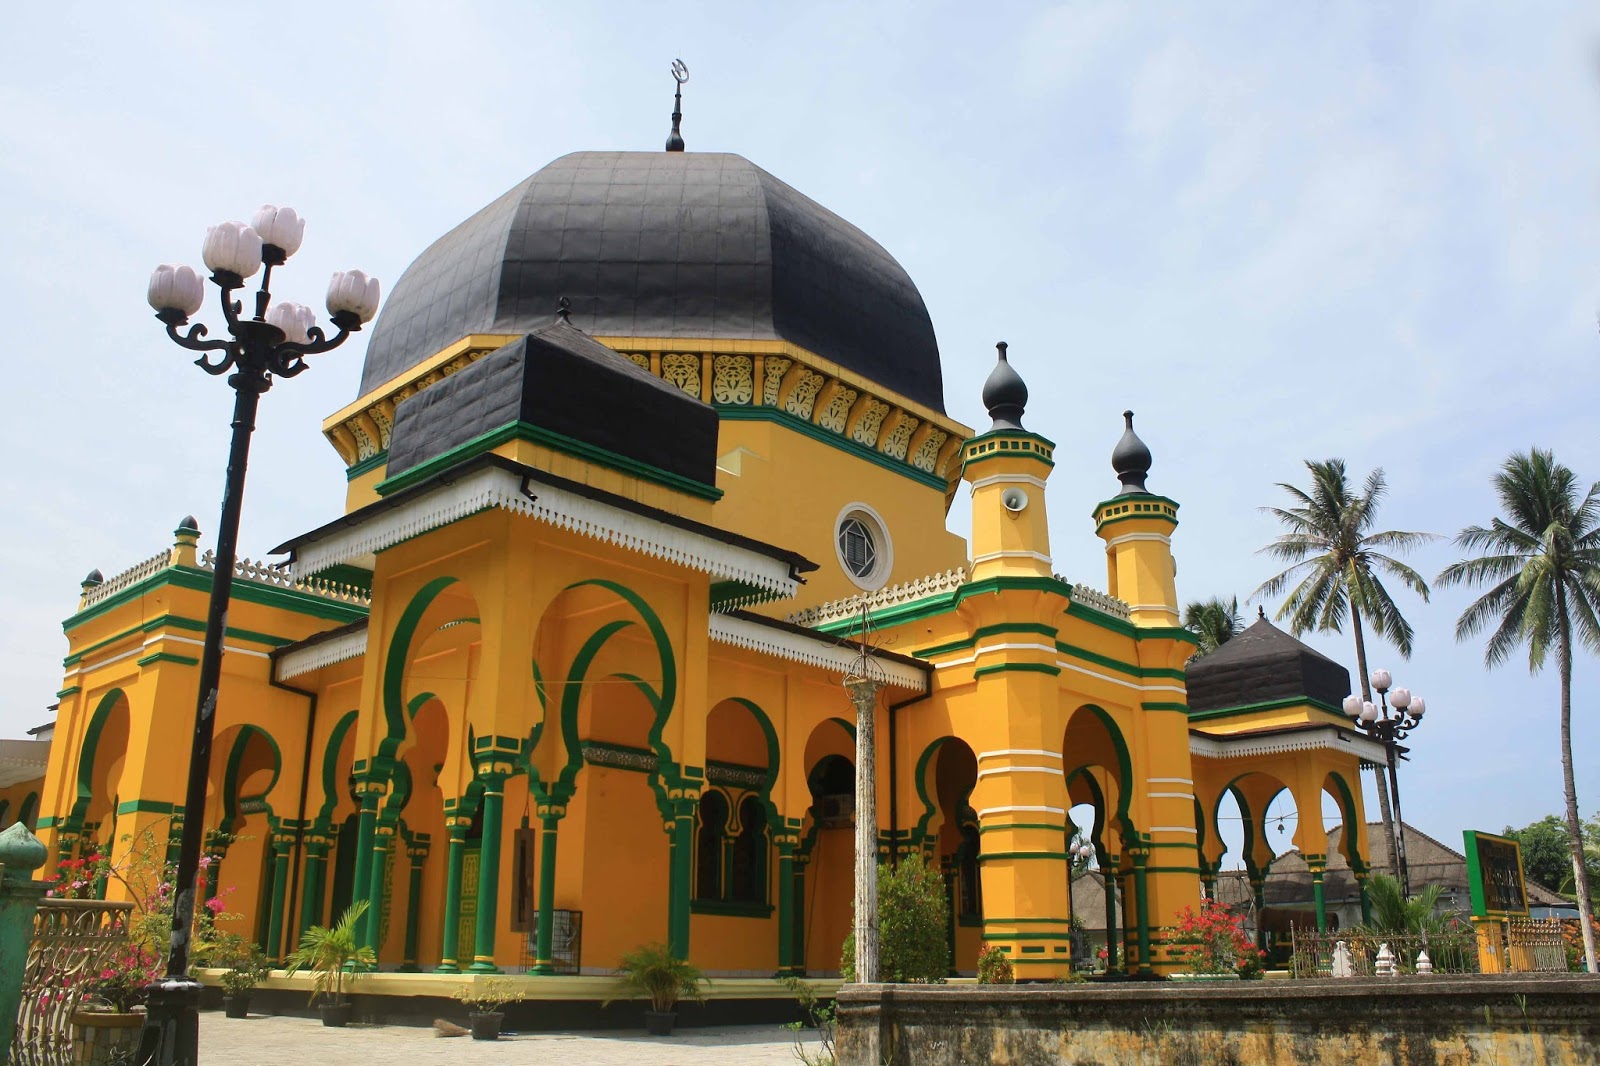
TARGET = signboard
(1494,875)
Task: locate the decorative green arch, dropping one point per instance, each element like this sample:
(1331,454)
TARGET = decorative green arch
(1252,822)
(770,735)
(28,813)
(920,837)
(1097,799)
(394,668)
(88,754)
(1125,781)
(661,700)
(1245,817)
(1345,798)
(230,779)
(330,767)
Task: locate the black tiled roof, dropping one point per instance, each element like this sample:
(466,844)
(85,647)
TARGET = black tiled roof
(696,245)
(1264,663)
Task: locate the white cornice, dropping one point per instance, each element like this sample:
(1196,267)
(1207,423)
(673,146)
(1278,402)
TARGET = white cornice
(485,489)
(1325,738)
(338,649)
(743,633)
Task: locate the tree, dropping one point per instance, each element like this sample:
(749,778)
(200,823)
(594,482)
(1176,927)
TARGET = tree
(1215,621)
(1546,855)
(913,924)
(1392,912)
(1541,563)
(1337,561)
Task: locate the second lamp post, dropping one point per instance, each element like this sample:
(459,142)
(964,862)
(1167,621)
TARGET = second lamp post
(1390,730)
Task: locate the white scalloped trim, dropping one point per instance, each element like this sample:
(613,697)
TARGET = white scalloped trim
(743,633)
(337,650)
(1325,739)
(484,489)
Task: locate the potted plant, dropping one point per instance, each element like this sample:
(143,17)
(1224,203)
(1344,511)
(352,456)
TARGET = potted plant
(652,972)
(246,965)
(110,1011)
(326,953)
(484,998)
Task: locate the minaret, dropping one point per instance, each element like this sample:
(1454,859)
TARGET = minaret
(1137,527)
(1007,468)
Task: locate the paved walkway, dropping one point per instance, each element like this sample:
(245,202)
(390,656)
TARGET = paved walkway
(264,1041)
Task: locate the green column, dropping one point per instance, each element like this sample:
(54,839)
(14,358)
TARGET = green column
(1110,882)
(1317,869)
(382,840)
(417,855)
(1366,903)
(449,946)
(786,908)
(175,835)
(548,820)
(315,876)
(365,828)
(21,853)
(1140,886)
(682,872)
(799,930)
(494,799)
(282,843)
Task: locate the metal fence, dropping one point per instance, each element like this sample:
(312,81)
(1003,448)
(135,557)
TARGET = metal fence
(1318,955)
(1534,945)
(566,944)
(71,937)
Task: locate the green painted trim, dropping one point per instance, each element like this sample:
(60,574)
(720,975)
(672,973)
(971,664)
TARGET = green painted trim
(1032,949)
(694,773)
(362,466)
(1037,962)
(87,752)
(71,690)
(1015,627)
(746,413)
(1142,497)
(1131,669)
(46,822)
(1181,708)
(1267,705)
(1063,935)
(1051,855)
(1043,461)
(1063,922)
(944,649)
(946,602)
(394,666)
(1120,626)
(198,580)
(330,766)
(729,909)
(578,449)
(1017,668)
(138,806)
(1145,516)
(1021,825)
(166,657)
(1011,434)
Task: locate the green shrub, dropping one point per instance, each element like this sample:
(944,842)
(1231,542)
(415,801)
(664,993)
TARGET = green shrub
(994,966)
(913,925)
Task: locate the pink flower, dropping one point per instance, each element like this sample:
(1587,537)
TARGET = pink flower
(206,861)
(214,904)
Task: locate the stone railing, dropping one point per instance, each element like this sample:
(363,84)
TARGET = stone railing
(127,579)
(1099,601)
(884,598)
(282,577)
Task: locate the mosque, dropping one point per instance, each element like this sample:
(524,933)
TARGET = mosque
(649,454)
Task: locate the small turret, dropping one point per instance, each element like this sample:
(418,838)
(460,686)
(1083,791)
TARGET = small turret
(185,537)
(1130,459)
(1005,394)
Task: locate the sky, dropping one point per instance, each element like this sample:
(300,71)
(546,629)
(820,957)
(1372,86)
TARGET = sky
(1278,232)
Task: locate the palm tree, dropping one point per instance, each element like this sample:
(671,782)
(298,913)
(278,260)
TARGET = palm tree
(1392,912)
(1215,621)
(1542,565)
(1337,560)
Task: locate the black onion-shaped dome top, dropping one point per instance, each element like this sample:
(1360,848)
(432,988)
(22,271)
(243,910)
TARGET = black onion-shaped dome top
(1005,394)
(697,245)
(189,522)
(1130,459)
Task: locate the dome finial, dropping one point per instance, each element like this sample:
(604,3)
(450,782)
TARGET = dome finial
(564,311)
(1130,459)
(1004,393)
(680,74)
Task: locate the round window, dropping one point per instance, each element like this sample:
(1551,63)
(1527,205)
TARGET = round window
(862,544)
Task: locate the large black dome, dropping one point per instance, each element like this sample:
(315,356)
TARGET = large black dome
(664,244)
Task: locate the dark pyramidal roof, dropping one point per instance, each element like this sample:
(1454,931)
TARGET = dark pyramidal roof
(560,380)
(697,245)
(1264,663)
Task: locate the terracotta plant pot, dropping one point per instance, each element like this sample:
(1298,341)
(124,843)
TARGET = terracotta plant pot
(659,1022)
(102,1037)
(486,1026)
(336,1015)
(236,1006)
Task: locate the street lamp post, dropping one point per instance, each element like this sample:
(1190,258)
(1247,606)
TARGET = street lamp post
(1390,730)
(272,344)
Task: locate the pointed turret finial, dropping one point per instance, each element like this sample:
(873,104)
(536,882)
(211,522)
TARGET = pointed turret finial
(1004,393)
(1130,459)
(680,74)
(564,311)
(1261,613)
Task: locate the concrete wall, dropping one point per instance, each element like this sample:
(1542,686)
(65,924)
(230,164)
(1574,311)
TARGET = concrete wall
(1458,1021)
